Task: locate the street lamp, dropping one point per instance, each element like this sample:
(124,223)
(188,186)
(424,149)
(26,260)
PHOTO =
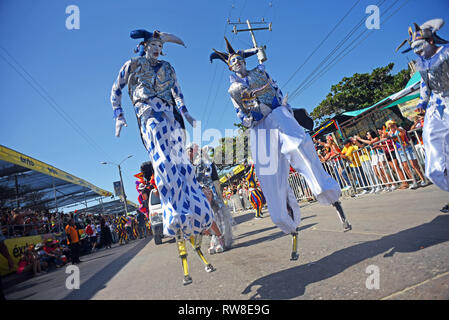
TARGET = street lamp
(121,180)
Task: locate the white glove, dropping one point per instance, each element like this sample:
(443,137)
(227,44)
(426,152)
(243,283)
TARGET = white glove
(119,123)
(189,119)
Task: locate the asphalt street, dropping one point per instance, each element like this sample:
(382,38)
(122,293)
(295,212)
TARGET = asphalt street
(398,249)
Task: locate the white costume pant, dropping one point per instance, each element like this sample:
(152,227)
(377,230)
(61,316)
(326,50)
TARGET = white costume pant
(185,206)
(278,141)
(436,142)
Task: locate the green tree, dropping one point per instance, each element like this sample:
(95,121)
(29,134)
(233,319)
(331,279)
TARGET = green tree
(232,151)
(360,91)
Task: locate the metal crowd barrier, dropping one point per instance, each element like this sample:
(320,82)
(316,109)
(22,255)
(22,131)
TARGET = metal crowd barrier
(27,229)
(300,188)
(380,168)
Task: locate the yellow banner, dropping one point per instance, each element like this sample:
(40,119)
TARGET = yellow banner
(17,247)
(238,169)
(20,159)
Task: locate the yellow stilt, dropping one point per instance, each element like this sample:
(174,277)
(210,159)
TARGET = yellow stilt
(183,255)
(195,241)
(295,254)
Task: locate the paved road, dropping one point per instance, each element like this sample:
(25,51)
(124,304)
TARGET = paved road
(401,234)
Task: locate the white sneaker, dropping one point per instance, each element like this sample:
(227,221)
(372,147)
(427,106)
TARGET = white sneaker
(393,187)
(372,190)
(346,188)
(364,192)
(378,189)
(423,183)
(219,247)
(413,186)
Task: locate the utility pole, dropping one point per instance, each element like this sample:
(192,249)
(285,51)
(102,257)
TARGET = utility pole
(123,190)
(261,55)
(121,181)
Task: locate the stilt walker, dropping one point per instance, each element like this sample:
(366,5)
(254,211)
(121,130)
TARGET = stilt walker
(277,141)
(155,93)
(207,177)
(256,196)
(433,65)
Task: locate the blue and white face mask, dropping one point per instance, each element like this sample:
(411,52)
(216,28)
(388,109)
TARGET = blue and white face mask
(237,63)
(153,49)
(422,48)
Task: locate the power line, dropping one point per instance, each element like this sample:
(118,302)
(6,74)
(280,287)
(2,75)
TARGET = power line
(346,50)
(53,104)
(220,83)
(333,51)
(321,43)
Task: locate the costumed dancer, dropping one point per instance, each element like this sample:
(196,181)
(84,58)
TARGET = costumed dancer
(433,65)
(121,230)
(277,139)
(256,196)
(155,93)
(207,177)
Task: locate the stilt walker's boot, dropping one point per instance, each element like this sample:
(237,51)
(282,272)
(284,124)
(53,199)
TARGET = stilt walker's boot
(346,225)
(183,255)
(295,254)
(195,241)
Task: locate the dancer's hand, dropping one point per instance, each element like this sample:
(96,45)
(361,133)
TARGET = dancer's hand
(190,119)
(119,123)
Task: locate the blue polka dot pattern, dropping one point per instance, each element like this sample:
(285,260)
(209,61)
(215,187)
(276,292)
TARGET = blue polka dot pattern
(184,205)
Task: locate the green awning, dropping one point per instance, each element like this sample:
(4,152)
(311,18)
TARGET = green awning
(357,112)
(402,100)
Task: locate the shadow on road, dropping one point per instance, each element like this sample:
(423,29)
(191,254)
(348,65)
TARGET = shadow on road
(270,237)
(99,279)
(291,283)
(244,217)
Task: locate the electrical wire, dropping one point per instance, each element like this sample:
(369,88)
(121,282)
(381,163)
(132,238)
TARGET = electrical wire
(41,91)
(346,51)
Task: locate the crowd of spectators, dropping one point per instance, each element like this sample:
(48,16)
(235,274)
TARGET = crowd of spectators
(387,159)
(27,222)
(71,235)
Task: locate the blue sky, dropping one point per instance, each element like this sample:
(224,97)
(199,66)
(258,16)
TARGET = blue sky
(73,70)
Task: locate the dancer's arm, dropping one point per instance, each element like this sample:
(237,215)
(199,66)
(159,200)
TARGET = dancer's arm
(246,120)
(179,101)
(116,97)
(424,96)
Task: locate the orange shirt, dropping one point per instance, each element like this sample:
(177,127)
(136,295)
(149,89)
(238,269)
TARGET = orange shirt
(71,231)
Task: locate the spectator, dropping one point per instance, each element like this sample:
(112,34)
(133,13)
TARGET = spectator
(390,155)
(29,262)
(105,234)
(73,241)
(405,151)
(350,154)
(91,232)
(332,157)
(5,253)
(378,158)
(54,253)
(141,225)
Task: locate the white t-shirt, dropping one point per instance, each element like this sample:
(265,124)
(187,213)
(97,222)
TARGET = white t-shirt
(94,230)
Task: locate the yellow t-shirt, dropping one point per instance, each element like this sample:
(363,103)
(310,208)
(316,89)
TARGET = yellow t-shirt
(352,155)
(364,156)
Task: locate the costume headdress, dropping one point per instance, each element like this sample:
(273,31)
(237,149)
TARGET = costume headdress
(226,57)
(426,31)
(150,36)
